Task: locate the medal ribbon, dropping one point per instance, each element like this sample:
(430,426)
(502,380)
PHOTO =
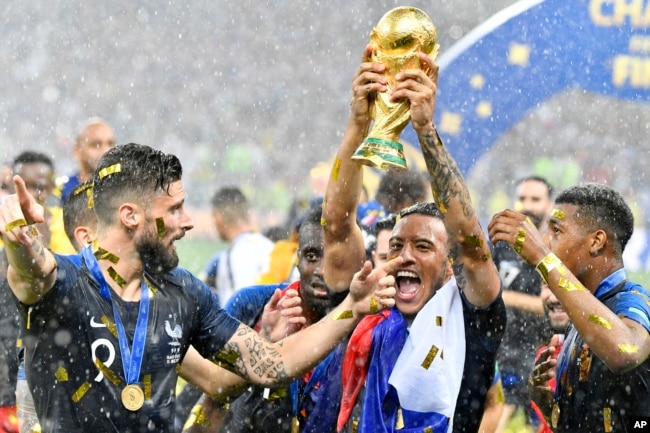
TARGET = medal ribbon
(131,359)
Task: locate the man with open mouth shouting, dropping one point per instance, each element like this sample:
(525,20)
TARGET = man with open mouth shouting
(427,364)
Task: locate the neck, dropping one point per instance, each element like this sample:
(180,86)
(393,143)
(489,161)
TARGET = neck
(129,269)
(599,270)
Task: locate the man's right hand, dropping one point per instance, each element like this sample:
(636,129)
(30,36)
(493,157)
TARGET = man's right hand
(17,211)
(372,290)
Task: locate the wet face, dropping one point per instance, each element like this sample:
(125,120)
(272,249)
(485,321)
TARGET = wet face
(39,179)
(382,248)
(568,240)
(533,201)
(93,142)
(422,241)
(310,266)
(155,243)
(558,318)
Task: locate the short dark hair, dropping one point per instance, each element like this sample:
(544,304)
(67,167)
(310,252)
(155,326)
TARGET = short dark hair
(31,157)
(78,211)
(132,172)
(232,202)
(400,186)
(312,217)
(386,223)
(424,208)
(601,207)
(539,179)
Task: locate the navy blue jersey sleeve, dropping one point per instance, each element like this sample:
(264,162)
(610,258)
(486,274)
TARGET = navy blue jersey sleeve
(246,304)
(212,326)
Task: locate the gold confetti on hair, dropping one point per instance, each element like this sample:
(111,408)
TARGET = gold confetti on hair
(597,320)
(519,243)
(91,200)
(111,169)
(627,348)
(428,360)
(557,213)
(347,314)
(160,227)
(81,391)
(474,241)
(336,168)
(147,386)
(81,188)
(107,372)
(116,277)
(61,374)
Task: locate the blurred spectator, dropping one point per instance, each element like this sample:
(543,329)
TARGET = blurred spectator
(93,141)
(248,253)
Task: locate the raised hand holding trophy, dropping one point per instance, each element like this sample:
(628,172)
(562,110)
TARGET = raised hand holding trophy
(400,35)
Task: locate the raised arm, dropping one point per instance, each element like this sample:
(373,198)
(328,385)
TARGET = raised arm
(344,246)
(475,272)
(32,267)
(270,364)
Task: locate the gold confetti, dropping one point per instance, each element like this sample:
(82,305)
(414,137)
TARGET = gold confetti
(81,391)
(323,222)
(160,226)
(21,222)
(374,305)
(547,264)
(557,213)
(197,417)
(61,374)
(399,419)
(570,286)
(607,419)
(109,325)
(147,386)
(597,320)
(107,372)
(438,320)
(474,241)
(101,254)
(107,171)
(336,168)
(627,348)
(91,200)
(585,364)
(428,360)
(347,314)
(428,429)
(226,360)
(519,243)
(116,277)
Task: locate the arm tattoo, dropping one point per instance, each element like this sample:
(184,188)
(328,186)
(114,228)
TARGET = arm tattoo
(250,356)
(37,241)
(447,182)
(458,267)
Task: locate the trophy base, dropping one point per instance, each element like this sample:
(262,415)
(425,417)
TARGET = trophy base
(381,154)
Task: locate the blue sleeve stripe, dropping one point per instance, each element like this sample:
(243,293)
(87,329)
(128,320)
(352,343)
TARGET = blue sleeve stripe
(641,315)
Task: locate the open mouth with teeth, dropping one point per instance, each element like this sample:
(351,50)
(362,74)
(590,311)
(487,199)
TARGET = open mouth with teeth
(408,285)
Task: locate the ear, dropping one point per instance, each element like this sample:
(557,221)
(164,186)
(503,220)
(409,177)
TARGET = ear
(598,240)
(130,215)
(84,236)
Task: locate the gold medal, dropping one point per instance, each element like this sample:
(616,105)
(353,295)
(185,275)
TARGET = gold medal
(132,397)
(555,415)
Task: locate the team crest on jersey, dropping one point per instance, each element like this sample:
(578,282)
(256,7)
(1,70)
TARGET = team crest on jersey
(175,332)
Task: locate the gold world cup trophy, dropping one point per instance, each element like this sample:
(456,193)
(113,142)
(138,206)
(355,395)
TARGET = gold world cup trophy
(400,35)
